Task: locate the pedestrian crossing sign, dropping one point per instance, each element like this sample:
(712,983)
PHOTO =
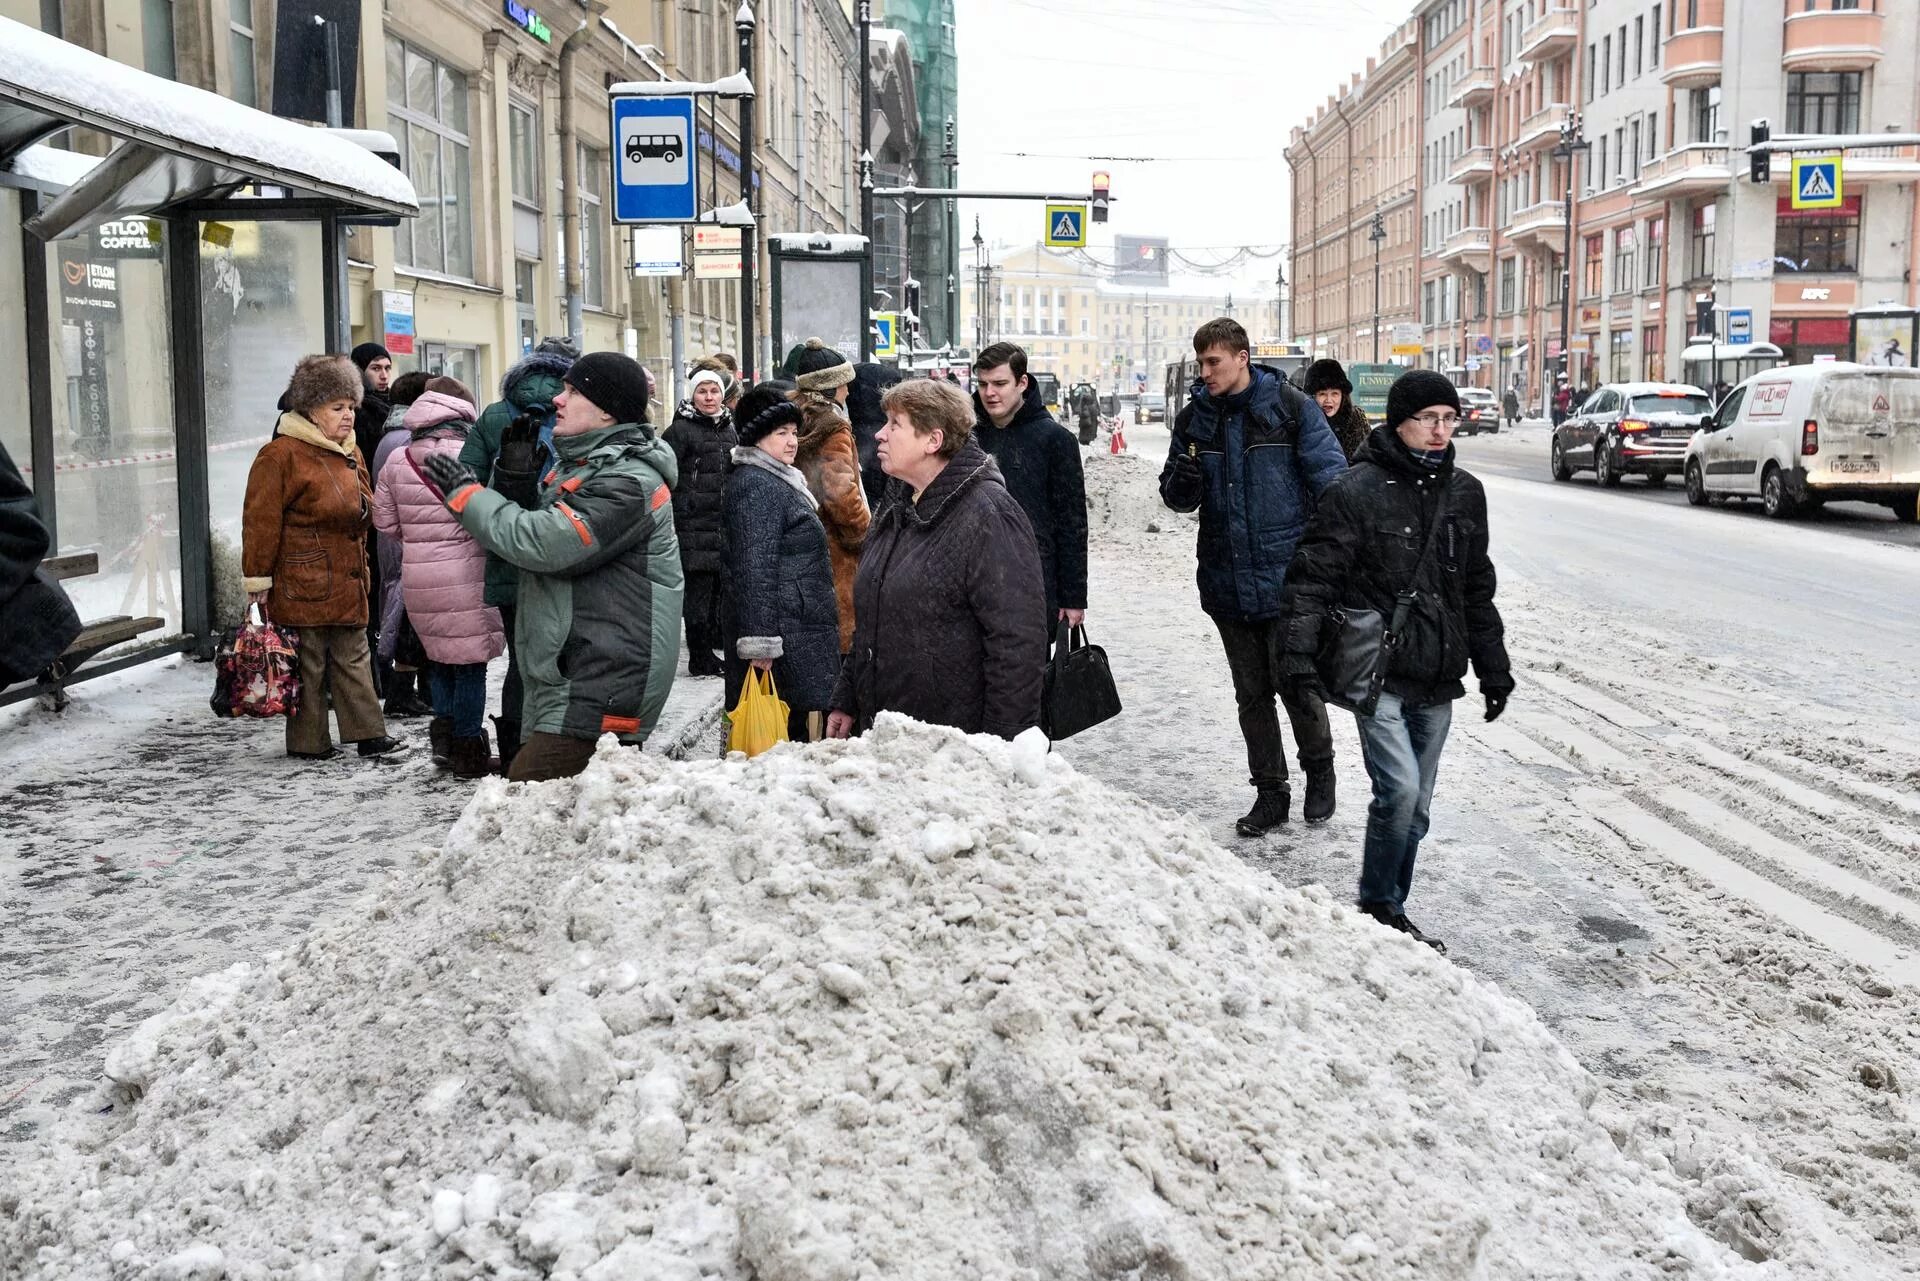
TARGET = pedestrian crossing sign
(886,327)
(1816,182)
(1066,226)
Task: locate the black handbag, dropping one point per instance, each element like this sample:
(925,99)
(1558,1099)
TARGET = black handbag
(1353,662)
(1078,692)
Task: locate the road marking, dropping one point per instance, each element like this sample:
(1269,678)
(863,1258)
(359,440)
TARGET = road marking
(1507,739)
(1847,941)
(1861,788)
(1593,700)
(1724,823)
(1576,743)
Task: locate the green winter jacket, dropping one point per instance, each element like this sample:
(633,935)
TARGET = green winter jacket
(534,380)
(600,587)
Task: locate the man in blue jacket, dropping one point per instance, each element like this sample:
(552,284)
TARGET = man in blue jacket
(1254,453)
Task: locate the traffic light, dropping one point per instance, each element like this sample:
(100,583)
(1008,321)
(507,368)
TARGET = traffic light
(913,296)
(1102,184)
(1703,316)
(1760,163)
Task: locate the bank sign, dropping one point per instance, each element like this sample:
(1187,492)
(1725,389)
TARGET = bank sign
(529,21)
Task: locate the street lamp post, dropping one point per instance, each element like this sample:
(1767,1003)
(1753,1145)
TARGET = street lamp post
(750,253)
(1570,145)
(866,177)
(1280,303)
(1378,235)
(980,288)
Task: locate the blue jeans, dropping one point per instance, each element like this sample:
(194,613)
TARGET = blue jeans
(460,695)
(1402,747)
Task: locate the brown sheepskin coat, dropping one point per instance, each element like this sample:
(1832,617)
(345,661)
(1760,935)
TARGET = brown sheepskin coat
(304,534)
(831,464)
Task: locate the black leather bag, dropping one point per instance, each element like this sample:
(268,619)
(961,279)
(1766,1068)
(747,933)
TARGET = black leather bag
(1078,692)
(1354,661)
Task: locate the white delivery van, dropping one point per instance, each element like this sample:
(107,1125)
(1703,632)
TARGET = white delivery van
(1810,434)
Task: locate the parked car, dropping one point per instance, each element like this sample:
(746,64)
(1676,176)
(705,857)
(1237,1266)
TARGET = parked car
(1151,409)
(1479,411)
(1630,429)
(1810,434)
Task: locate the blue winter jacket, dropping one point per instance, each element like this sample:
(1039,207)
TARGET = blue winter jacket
(1265,457)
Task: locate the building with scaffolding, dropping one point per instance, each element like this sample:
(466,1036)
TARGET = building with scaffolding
(933,243)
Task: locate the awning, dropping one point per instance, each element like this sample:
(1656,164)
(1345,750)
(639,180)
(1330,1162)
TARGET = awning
(1724,351)
(181,143)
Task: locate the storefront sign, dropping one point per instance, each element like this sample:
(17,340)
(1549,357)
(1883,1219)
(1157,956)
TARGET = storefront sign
(529,21)
(128,238)
(656,251)
(88,286)
(716,253)
(1406,339)
(395,309)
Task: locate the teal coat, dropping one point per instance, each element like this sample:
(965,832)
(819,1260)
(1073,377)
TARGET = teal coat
(532,382)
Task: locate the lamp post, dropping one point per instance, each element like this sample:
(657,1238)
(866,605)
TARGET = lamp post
(750,250)
(1378,235)
(980,288)
(1280,303)
(1570,145)
(866,176)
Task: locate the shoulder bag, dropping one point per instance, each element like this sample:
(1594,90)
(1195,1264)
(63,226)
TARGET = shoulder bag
(1353,662)
(1078,692)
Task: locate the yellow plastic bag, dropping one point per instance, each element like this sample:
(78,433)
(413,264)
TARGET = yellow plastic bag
(759,720)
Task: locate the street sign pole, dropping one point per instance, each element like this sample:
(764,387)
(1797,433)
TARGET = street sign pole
(750,251)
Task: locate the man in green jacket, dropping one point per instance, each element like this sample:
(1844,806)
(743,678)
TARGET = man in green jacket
(597,623)
(510,449)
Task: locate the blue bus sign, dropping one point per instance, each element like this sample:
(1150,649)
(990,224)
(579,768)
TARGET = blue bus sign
(655,178)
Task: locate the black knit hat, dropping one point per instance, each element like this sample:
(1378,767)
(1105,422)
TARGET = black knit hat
(368,352)
(1327,375)
(614,382)
(820,368)
(1417,390)
(769,420)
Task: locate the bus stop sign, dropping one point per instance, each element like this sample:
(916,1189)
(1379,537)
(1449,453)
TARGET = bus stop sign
(655,178)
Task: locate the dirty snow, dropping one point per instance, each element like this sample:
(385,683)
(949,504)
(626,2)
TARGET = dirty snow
(911,1006)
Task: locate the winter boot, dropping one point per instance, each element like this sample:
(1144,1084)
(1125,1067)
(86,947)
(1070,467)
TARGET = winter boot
(506,734)
(1412,931)
(1319,806)
(440,739)
(470,757)
(402,701)
(385,745)
(1269,811)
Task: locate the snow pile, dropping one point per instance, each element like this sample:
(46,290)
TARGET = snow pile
(914,1006)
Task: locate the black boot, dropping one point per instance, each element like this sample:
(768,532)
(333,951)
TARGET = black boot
(470,758)
(1319,804)
(440,739)
(402,701)
(1269,811)
(1412,931)
(385,745)
(506,734)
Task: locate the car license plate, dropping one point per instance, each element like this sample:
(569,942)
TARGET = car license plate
(1855,466)
(1671,433)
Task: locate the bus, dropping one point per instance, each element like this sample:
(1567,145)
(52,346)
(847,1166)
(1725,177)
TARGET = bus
(1288,359)
(1049,386)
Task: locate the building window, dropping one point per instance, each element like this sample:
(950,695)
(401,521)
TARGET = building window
(240,51)
(427,115)
(1700,261)
(1639,46)
(1653,360)
(1653,59)
(1507,274)
(1593,267)
(1633,157)
(156,29)
(1817,240)
(1823,102)
(1606,65)
(1802,340)
(1622,346)
(1624,248)
(523,145)
(1706,114)
(1656,247)
(593,228)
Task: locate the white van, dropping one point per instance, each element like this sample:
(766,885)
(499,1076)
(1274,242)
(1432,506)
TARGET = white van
(1810,434)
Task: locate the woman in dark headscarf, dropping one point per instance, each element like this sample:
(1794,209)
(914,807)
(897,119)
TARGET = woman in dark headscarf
(1327,383)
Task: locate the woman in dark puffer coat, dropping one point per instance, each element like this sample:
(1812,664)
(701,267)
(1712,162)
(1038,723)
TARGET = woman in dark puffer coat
(1327,383)
(782,614)
(702,438)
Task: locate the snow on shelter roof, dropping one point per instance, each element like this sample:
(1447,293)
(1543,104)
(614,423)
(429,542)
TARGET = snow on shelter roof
(44,79)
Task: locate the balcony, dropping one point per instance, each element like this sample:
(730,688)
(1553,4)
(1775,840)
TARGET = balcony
(1539,226)
(1468,247)
(1475,89)
(1692,170)
(1552,35)
(1833,40)
(1475,164)
(1542,128)
(1693,58)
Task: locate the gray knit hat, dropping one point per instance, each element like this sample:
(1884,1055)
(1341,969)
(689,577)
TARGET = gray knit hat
(821,368)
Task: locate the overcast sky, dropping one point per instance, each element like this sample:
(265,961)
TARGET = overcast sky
(1203,92)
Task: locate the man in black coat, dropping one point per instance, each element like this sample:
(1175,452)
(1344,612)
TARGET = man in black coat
(702,438)
(1404,519)
(369,425)
(1040,463)
(37,622)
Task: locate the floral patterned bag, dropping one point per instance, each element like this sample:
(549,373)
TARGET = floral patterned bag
(257,669)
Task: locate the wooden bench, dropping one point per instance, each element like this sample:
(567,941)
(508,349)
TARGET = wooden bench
(95,636)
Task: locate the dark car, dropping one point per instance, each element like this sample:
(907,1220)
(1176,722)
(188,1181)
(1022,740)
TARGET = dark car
(1479,411)
(1630,429)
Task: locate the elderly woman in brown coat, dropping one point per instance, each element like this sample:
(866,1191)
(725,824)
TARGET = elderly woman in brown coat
(831,463)
(304,554)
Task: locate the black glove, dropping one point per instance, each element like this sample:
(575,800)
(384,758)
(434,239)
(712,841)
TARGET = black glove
(1184,485)
(447,474)
(516,470)
(1496,703)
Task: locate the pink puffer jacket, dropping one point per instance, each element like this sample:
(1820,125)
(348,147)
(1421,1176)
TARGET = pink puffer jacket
(443,571)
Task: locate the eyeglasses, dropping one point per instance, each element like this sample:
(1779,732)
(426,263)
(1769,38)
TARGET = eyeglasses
(1448,421)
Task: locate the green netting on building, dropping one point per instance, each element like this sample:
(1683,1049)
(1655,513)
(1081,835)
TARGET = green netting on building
(928,27)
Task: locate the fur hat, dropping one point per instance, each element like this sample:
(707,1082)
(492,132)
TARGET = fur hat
(368,352)
(321,380)
(769,420)
(820,368)
(614,382)
(759,398)
(1417,390)
(1327,375)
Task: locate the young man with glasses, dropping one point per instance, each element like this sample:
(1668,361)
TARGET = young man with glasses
(1253,453)
(1404,528)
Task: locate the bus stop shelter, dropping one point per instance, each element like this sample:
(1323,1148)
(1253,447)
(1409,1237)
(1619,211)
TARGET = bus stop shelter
(153,300)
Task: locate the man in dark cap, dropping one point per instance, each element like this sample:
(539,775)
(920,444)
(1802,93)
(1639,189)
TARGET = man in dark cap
(1402,537)
(369,425)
